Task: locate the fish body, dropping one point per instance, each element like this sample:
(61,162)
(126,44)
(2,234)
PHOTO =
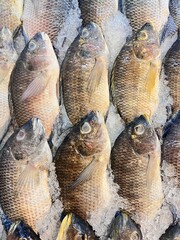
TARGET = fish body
(174,7)
(24,163)
(135,161)
(8,58)
(172,233)
(45,16)
(140,12)
(97,11)
(135,76)
(172,72)
(10,13)
(171,144)
(34,83)
(124,228)
(81,162)
(75,228)
(85,74)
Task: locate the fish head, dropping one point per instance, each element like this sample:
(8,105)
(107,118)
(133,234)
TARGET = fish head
(142,135)
(124,228)
(8,55)
(91,42)
(172,233)
(88,136)
(29,140)
(38,52)
(74,227)
(146,45)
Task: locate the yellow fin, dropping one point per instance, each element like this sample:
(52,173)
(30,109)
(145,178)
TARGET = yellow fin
(64,227)
(96,75)
(28,179)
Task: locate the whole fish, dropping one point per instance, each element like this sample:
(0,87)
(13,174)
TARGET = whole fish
(81,163)
(20,39)
(85,74)
(124,228)
(97,11)
(140,12)
(171,144)
(10,13)
(172,233)
(135,76)
(45,16)
(34,83)
(8,58)
(135,161)
(172,71)
(174,7)
(24,163)
(75,228)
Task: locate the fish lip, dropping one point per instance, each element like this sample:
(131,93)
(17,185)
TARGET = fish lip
(36,125)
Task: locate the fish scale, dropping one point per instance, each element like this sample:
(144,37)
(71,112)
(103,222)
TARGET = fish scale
(97,11)
(10,13)
(92,193)
(130,167)
(45,16)
(171,145)
(172,69)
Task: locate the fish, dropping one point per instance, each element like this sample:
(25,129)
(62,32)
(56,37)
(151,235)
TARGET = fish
(34,83)
(98,12)
(172,70)
(75,228)
(171,144)
(141,12)
(8,57)
(172,233)
(124,228)
(135,75)
(20,39)
(45,16)
(24,164)
(174,6)
(81,162)
(135,163)
(11,13)
(85,74)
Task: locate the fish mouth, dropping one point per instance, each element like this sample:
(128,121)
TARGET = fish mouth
(35,125)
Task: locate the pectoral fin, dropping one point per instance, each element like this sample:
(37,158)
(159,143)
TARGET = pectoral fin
(36,87)
(28,179)
(96,75)
(86,174)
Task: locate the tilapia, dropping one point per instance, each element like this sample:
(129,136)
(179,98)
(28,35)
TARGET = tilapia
(140,12)
(8,58)
(135,161)
(85,74)
(24,163)
(172,72)
(34,83)
(97,11)
(172,233)
(20,39)
(75,228)
(171,144)
(135,76)
(10,13)
(174,7)
(45,16)
(124,228)
(81,163)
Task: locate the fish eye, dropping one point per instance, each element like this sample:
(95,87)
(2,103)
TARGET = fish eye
(134,236)
(139,129)
(32,45)
(85,128)
(21,135)
(85,33)
(142,35)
